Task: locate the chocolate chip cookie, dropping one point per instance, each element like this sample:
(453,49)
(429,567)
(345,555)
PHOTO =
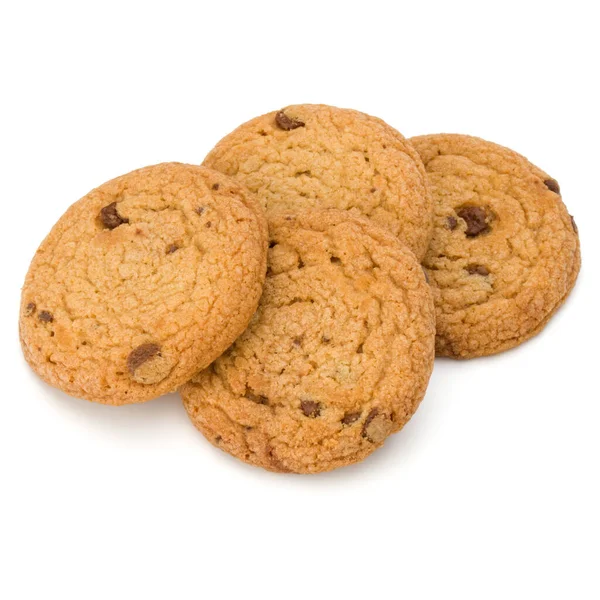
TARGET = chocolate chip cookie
(143,282)
(336,358)
(505,251)
(316,156)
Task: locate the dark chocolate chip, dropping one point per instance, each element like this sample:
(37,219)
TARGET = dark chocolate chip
(30,309)
(351,417)
(477,270)
(257,398)
(45,316)
(110,217)
(208,223)
(572,223)
(310,408)
(141,355)
(286,123)
(377,426)
(335,260)
(215,186)
(552,185)
(368,420)
(452,223)
(476,219)
(172,248)
(276,463)
(373,190)
(272,244)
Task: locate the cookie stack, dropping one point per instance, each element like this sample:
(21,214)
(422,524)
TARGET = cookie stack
(279,285)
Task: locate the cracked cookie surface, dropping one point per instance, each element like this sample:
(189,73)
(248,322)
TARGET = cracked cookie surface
(318,156)
(336,358)
(142,282)
(505,251)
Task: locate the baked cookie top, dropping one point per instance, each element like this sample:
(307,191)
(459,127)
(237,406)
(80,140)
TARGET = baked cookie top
(505,252)
(317,156)
(142,282)
(336,358)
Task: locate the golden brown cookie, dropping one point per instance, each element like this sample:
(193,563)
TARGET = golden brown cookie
(336,358)
(142,282)
(505,252)
(317,156)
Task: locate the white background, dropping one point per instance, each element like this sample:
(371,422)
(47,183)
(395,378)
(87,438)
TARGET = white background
(491,491)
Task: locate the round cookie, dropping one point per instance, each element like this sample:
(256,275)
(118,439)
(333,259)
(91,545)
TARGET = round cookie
(143,282)
(317,156)
(336,358)
(505,252)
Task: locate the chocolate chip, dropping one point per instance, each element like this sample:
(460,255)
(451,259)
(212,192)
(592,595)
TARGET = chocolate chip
(451,223)
(359,350)
(373,190)
(200,210)
(110,217)
(476,219)
(45,316)
(335,260)
(377,426)
(297,341)
(30,309)
(368,420)
(552,185)
(351,417)
(257,398)
(286,123)
(276,463)
(477,270)
(215,186)
(272,244)
(218,439)
(572,223)
(172,248)
(310,408)
(141,355)
(208,223)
